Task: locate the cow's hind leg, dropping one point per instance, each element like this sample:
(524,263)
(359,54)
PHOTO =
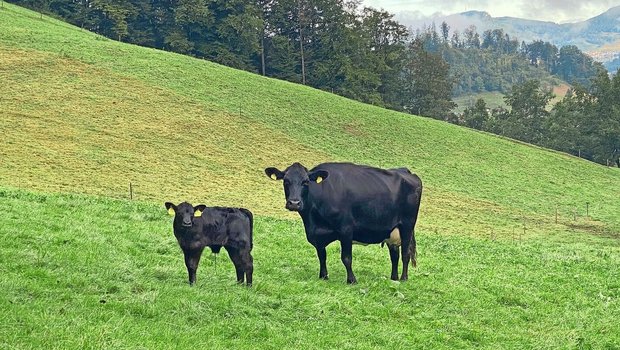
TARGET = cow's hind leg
(346,255)
(394,255)
(235,257)
(406,240)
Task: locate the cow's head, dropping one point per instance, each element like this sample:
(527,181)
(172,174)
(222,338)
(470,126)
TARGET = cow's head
(184,213)
(296,179)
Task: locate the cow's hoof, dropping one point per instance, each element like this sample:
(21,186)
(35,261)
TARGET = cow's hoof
(404,278)
(326,277)
(353,281)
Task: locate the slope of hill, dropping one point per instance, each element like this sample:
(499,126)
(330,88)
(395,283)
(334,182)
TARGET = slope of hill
(84,114)
(87,114)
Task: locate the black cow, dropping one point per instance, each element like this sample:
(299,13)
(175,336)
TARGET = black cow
(215,228)
(354,204)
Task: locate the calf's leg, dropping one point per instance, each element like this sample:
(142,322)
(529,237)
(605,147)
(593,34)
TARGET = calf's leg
(248,262)
(192,258)
(233,253)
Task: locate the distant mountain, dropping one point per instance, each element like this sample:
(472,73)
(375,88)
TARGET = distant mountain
(599,36)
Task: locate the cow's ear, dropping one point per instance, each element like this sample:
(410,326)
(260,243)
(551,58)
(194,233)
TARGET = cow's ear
(274,173)
(171,208)
(318,175)
(199,209)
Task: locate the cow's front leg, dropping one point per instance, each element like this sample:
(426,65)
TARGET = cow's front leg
(322,255)
(346,255)
(192,258)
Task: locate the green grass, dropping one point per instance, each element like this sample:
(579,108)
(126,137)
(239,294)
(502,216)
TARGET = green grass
(85,115)
(87,272)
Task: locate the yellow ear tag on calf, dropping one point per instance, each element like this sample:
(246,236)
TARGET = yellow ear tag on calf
(197,213)
(319,180)
(273,177)
(171,212)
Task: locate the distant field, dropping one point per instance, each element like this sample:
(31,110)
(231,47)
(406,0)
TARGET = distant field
(82,116)
(496,99)
(492,99)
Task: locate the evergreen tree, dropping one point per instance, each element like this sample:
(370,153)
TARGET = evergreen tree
(528,114)
(477,116)
(428,88)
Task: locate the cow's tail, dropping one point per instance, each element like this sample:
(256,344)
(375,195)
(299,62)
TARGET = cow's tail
(413,252)
(251,217)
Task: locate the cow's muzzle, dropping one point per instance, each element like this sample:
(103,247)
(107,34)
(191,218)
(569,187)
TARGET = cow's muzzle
(293,205)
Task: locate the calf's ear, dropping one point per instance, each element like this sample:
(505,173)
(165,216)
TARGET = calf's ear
(171,208)
(318,176)
(199,209)
(274,173)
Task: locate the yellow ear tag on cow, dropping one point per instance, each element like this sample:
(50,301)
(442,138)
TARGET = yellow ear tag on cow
(197,213)
(171,211)
(273,177)
(319,180)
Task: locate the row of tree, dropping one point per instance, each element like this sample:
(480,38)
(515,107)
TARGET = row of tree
(586,123)
(335,45)
(495,61)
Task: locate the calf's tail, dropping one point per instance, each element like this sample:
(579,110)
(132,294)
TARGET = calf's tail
(251,217)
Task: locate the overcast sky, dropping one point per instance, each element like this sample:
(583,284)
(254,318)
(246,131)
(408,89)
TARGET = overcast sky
(559,11)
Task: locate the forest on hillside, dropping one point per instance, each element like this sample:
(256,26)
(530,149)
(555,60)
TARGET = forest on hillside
(334,45)
(351,50)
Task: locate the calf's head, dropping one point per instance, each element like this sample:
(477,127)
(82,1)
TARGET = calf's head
(296,179)
(184,213)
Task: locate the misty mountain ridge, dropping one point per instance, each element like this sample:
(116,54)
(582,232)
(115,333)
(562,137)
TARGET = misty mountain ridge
(599,36)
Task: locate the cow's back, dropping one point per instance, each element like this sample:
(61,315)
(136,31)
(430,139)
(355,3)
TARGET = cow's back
(372,198)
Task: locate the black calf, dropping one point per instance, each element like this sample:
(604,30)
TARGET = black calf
(215,227)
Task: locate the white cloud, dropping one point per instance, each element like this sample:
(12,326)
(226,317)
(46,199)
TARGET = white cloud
(545,10)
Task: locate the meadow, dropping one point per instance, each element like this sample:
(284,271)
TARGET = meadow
(82,266)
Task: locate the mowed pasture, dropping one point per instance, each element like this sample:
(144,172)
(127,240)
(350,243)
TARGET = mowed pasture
(86,115)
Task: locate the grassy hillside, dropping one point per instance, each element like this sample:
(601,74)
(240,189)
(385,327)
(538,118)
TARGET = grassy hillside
(84,114)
